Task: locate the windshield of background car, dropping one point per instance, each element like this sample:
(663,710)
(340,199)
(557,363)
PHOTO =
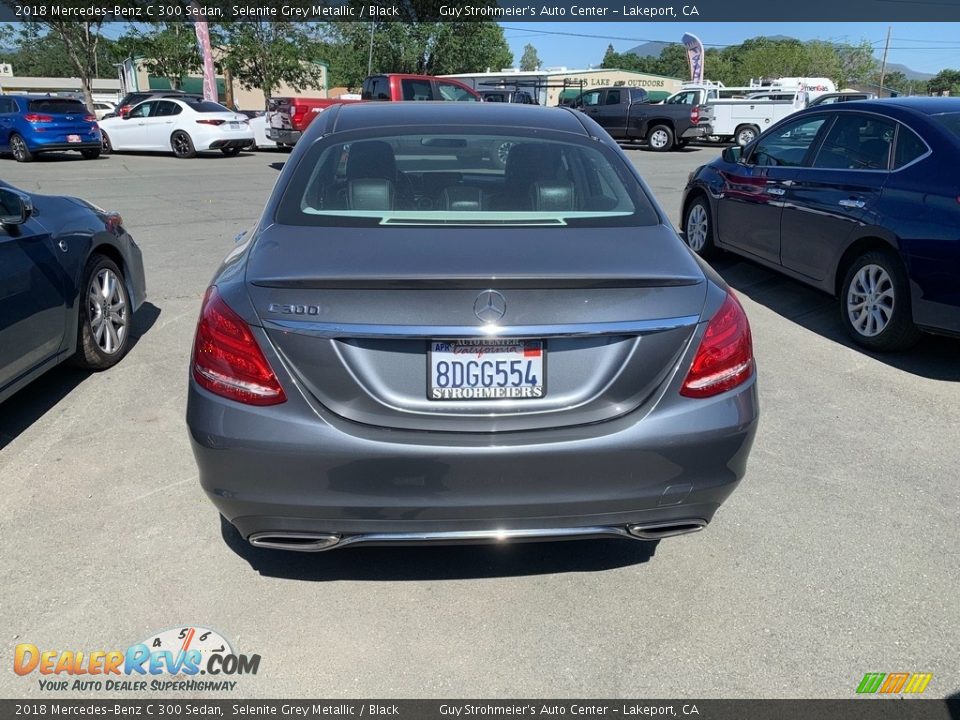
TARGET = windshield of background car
(58,106)
(951,121)
(206,106)
(460,178)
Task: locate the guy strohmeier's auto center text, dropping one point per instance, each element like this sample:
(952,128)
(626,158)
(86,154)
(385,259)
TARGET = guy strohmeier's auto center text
(305,10)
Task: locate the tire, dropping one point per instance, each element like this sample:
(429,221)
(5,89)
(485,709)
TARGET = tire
(680,144)
(106,318)
(105,147)
(90,153)
(499,152)
(660,138)
(698,228)
(875,305)
(230,151)
(18,147)
(745,135)
(182,145)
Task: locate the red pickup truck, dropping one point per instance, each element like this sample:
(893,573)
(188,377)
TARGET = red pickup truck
(288,117)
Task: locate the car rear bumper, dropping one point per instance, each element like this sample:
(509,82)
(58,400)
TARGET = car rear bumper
(60,145)
(697,131)
(284,469)
(222,144)
(282,136)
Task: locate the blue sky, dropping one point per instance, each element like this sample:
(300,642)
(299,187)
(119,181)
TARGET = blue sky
(925,47)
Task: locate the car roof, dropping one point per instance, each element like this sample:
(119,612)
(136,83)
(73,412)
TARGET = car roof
(360,116)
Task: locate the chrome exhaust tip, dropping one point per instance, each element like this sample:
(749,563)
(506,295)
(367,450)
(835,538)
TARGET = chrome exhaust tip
(655,531)
(296,541)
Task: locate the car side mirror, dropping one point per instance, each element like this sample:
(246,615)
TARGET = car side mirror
(15,208)
(732,154)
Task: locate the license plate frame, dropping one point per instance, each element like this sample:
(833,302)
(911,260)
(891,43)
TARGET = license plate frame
(74,139)
(513,392)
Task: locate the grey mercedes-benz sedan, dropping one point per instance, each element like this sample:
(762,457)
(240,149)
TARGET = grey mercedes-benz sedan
(460,322)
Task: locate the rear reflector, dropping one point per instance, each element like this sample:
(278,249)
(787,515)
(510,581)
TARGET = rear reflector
(227,360)
(724,359)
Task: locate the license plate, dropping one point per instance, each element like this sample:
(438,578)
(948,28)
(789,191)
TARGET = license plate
(73,138)
(234,126)
(486,369)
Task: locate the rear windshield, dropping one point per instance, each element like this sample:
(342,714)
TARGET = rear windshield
(57,106)
(951,121)
(206,106)
(463,179)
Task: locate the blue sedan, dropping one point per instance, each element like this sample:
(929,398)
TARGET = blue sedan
(71,278)
(860,199)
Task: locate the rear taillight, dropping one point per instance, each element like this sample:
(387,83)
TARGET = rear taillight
(90,118)
(37,118)
(695,114)
(724,359)
(227,360)
(211,122)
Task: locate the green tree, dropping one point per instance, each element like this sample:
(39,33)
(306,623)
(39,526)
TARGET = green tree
(529,60)
(856,64)
(414,47)
(169,49)
(945,81)
(59,49)
(266,54)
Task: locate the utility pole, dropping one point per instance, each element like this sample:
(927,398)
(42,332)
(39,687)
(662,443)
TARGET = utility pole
(370,54)
(883,66)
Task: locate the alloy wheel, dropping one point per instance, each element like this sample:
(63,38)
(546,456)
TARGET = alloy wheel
(696,230)
(870,300)
(108,311)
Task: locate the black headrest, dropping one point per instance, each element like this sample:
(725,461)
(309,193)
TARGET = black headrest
(370,194)
(462,198)
(529,162)
(552,196)
(371,159)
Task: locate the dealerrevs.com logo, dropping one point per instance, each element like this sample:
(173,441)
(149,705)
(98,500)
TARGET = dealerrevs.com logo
(166,661)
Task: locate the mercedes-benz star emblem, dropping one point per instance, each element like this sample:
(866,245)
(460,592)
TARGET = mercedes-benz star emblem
(490,306)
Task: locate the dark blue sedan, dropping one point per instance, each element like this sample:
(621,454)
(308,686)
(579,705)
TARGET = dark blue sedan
(860,199)
(71,278)
(31,124)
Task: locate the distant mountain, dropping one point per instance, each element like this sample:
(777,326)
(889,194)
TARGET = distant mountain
(655,47)
(910,74)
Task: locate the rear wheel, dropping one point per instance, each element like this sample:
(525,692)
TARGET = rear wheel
(105,147)
(182,145)
(746,134)
(875,303)
(230,151)
(90,153)
(18,146)
(660,138)
(105,316)
(698,228)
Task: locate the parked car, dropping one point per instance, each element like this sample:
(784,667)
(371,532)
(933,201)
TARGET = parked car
(71,278)
(102,108)
(829,98)
(508,96)
(30,125)
(288,117)
(132,99)
(258,124)
(629,116)
(415,345)
(184,127)
(860,199)
(398,86)
(737,120)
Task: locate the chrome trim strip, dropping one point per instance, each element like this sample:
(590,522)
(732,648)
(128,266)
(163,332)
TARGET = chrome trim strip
(442,332)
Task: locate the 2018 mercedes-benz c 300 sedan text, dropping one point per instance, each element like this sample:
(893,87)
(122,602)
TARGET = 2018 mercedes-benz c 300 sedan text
(466,322)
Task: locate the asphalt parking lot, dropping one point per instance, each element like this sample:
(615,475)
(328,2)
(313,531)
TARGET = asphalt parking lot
(837,555)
